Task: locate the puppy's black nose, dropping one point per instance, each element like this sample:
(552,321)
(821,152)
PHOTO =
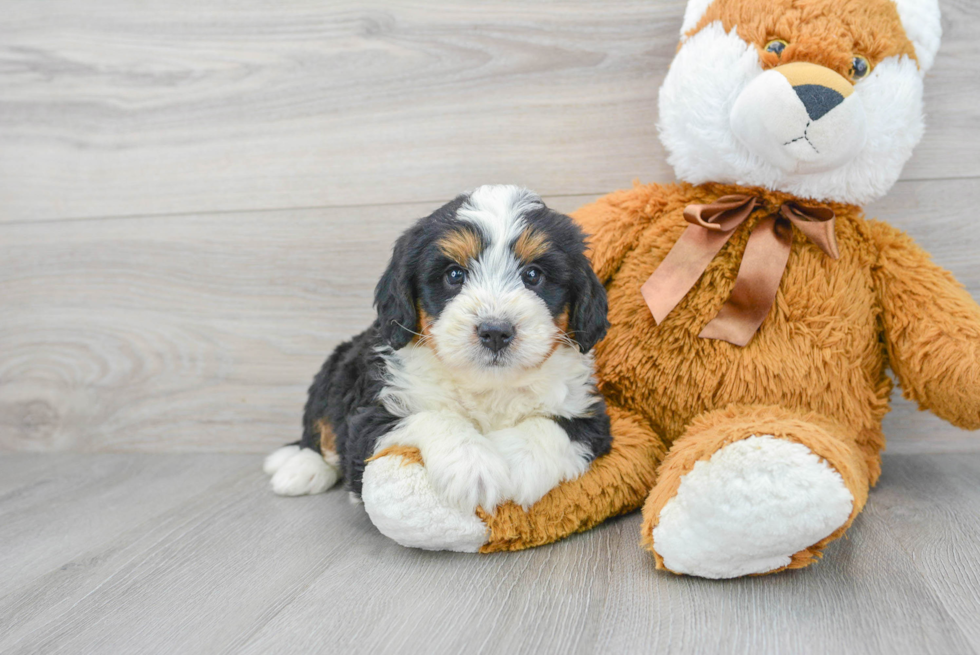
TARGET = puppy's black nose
(817,99)
(495,335)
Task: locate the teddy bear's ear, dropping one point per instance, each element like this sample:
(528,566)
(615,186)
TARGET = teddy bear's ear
(695,10)
(923,26)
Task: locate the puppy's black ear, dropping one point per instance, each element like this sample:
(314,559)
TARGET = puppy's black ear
(587,318)
(394,296)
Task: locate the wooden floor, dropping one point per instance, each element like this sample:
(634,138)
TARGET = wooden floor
(136,553)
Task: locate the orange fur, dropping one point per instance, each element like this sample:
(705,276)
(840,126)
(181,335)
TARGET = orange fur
(825,32)
(409,455)
(328,442)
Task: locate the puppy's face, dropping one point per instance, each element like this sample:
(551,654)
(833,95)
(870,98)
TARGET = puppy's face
(494,282)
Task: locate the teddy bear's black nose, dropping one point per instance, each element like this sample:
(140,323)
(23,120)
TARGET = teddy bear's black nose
(817,99)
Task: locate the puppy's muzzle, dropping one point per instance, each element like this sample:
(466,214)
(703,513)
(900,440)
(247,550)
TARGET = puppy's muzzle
(801,118)
(496,335)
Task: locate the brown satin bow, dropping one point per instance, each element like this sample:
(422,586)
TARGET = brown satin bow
(763,263)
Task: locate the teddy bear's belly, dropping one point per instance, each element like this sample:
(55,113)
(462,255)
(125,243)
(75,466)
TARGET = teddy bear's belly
(818,349)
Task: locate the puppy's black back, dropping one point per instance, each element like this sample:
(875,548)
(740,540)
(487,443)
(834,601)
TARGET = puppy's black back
(341,412)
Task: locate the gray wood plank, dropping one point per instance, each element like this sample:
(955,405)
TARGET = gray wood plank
(930,506)
(201,332)
(74,502)
(133,109)
(236,569)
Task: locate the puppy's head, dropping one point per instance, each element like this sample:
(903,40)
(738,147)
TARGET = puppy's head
(494,282)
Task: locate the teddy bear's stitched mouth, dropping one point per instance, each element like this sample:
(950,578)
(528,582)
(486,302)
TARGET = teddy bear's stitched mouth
(804,136)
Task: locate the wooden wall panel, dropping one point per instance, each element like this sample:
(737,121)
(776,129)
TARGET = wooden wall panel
(201,332)
(117,108)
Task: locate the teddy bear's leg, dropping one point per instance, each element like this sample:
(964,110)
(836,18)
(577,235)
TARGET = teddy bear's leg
(404,507)
(749,490)
(615,483)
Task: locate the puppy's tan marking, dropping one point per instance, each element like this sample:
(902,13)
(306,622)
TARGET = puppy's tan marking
(562,336)
(461,246)
(530,245)
(425,324)
(327,439)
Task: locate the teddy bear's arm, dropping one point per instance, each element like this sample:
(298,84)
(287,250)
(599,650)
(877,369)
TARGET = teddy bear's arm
(932,330)
(615,222)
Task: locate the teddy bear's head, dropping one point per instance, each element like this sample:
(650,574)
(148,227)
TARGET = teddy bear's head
(819,98)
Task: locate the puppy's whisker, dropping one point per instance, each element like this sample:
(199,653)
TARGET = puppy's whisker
(418,334)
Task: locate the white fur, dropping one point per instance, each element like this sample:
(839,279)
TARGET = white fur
(539,456)
(749,508)
(300,472)
(274,460)
(711,70)
(462,464)
(417,380)
(770,120)
(469,428)
(923,25)
(404,507)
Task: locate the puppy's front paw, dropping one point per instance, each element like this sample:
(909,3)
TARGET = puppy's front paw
(469,475)
(539,456)
(534,476)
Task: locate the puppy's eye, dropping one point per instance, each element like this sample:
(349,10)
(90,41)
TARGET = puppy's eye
(776,46)
(859,67)
(455,276)
(532,276)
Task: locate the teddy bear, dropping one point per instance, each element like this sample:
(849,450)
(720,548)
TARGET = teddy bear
(754,309)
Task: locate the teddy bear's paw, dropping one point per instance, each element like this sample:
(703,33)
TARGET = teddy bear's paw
(749,508)
(404,507)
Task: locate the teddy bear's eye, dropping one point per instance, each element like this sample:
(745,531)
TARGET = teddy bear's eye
(859,67)
(776,46)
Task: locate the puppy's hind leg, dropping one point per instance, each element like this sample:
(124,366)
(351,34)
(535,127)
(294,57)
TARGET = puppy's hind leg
(300,469)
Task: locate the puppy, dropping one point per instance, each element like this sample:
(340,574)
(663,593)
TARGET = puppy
(479,357)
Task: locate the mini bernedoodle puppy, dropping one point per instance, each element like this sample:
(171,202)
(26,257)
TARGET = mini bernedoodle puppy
(479,357)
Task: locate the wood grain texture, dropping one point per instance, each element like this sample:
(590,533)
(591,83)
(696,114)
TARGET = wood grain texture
(233,568)
(122,108)
(202,332)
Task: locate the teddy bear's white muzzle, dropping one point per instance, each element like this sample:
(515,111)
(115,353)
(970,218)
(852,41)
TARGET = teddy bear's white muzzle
(801,118)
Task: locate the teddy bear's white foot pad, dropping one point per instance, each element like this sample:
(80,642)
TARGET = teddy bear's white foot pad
(749,508)
(403,506)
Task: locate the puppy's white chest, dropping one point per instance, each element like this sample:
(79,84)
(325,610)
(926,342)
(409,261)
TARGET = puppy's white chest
(418,382)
